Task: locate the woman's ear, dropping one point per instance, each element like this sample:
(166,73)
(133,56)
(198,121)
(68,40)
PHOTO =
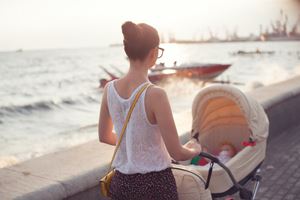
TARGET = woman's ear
(153,53)
(152,56)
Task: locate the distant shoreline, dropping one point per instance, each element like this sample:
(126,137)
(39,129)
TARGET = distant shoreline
(221,41)
(120,45)
(229,41)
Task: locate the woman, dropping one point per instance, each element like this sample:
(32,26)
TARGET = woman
(143,159)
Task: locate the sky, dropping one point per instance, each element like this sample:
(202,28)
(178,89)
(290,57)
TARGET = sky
(43,24)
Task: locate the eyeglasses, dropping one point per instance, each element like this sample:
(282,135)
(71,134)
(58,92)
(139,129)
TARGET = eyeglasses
(160,52)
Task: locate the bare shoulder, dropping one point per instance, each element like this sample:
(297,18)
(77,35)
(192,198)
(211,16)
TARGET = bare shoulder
(105,90)
(155,92)
(157,97)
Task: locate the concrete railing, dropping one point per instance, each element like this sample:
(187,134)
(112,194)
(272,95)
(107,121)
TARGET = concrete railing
(281,102)
(74,173)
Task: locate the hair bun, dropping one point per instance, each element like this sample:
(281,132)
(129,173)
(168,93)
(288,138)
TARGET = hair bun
(130,32)
(139,39)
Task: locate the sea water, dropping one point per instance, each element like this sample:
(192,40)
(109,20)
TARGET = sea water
(50,99)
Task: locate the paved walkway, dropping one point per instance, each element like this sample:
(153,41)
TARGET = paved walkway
(281,169)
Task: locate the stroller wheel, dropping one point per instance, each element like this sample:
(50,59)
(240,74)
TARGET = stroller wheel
(245,194)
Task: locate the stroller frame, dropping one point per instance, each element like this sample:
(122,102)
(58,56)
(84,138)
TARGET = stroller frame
(237,186)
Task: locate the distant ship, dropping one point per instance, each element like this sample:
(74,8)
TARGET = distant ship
(279,30)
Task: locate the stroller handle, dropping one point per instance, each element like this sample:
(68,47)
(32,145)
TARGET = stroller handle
(209,156)
(244,193)
(214,159)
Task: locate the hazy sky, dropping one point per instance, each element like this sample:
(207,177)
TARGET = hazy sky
(38,24)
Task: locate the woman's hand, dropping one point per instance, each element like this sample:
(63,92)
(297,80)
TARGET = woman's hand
(193,146)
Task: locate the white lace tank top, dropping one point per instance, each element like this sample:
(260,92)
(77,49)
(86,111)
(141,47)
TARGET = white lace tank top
(142,149)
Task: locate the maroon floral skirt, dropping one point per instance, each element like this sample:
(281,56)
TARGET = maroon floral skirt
(159,185)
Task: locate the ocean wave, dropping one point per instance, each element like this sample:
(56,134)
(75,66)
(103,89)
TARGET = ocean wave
(91,99)
(68,101)
(6,161)
(36,106)
(85,128)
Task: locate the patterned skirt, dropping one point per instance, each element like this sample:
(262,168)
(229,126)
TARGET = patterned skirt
(159,185)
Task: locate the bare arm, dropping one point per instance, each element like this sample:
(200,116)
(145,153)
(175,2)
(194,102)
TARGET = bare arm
(164,117)
(105,124)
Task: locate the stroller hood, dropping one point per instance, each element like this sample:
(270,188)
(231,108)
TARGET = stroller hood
(252,111)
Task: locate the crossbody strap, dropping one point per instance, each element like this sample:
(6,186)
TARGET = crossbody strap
(137,96)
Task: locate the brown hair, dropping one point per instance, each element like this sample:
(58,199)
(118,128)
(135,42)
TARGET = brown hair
(139,39)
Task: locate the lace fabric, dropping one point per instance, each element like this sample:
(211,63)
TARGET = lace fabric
(142,149)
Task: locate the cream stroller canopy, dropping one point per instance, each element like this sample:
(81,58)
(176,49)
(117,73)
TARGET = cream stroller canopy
(223,113)
(224,105)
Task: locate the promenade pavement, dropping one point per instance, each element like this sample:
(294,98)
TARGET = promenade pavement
(281,169)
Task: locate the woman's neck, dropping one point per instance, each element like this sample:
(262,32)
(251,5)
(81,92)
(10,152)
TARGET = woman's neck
(138,72)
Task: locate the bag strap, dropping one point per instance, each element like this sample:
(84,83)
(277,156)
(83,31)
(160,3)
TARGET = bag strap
(137,96)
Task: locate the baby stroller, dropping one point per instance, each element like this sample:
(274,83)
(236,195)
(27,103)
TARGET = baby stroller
(224,113)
